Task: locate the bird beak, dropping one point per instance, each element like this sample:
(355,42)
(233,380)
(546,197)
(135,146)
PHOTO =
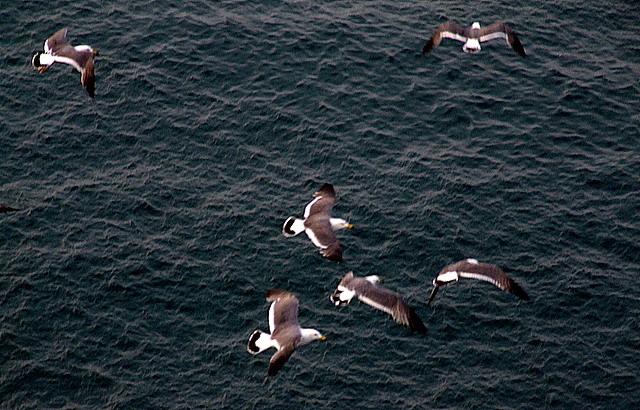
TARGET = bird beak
(96,52)
(350,226)
(323,337)
(43,69)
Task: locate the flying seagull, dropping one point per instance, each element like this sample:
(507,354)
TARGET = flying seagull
(473,36)
(4,209)
(471,268)
(286,334)
(319,225)
(58,50)
(367,290)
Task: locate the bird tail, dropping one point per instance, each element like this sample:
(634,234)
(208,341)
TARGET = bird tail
(258,342)
(342,296)
(35,61)
(292,226)
(335,298)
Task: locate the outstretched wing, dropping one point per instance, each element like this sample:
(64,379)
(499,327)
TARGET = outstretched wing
(447,30)
(492,274)
(388,302)
(56,42)
(333,252)
(279,359)
(323,203)
(321,233)
(283,311)
(501,30)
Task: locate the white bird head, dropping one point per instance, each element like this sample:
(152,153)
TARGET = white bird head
(339,223)
(42,61)
(309,335)
(375,279)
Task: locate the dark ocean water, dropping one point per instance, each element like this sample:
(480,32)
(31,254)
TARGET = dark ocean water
(150,222)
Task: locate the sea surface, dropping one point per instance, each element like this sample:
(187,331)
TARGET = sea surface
(150,218)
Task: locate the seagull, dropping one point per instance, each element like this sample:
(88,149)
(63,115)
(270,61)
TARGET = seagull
(367,290)
(319,225)
(473,36)
(471,268)
(4,209)
(286,335)
(58,50)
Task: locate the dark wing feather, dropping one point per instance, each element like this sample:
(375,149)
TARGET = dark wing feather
(410,318)
(285,312)
(279,359)
(275,293)
(435,40)
(492,274)
(57,41)
(512,38)
(493,28)
(327,191)
(514,41)
(323,236)
(322,205)
(88,78)
(333,252)
(387,301)
(347,278)
(429,45)
(516,289)
(82,58)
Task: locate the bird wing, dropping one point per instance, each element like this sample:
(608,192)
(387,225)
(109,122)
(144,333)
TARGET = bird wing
(317,221)
(347,278)
(450,30)
(57,41)
(88,78)
(333,252)
(323,203)
(279,359)
(326,190)
(492,274)
(283,311)
(283,322)
(388,302)
(495,30)
(319,230)
(501,30)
